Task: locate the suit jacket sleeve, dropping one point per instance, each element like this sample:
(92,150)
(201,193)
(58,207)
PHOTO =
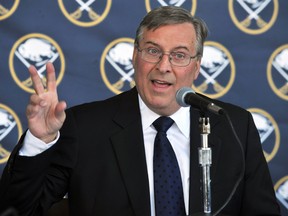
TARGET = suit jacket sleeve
(32,184)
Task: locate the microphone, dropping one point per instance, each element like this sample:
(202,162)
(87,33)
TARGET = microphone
(187,97)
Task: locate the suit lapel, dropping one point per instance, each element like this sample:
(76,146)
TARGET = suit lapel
(130,153)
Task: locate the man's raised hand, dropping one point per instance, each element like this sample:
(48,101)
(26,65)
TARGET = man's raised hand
(44,112)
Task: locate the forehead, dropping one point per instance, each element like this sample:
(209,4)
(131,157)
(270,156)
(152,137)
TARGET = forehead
(171,36)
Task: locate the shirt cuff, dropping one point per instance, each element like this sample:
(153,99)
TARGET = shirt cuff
(33,146)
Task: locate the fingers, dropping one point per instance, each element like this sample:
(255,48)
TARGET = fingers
(36,100)
(51,78)
(60,111)
(35,105)
(37,81)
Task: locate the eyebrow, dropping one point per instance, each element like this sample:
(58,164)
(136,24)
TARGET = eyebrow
(176,48)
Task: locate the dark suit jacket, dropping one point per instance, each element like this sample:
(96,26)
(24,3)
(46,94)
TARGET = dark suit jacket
(100,161)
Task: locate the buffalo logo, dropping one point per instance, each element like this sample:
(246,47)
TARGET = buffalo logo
(277,72)
(10,131)
(253,16)
(37,50)
(117,59)
(179,3)
(85,13)
(217,71)
(7,9)
(268,131)
(281,191)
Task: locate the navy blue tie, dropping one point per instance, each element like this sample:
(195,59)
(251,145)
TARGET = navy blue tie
(168,190)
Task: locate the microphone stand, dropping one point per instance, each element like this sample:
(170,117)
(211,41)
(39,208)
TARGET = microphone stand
(205,161)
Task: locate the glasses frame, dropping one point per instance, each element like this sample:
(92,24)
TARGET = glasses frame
(165,53)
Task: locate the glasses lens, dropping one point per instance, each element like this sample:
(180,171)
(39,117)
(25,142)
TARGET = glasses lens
(179,62)
(151,55)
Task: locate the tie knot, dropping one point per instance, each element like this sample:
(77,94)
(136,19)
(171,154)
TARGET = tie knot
(163,123)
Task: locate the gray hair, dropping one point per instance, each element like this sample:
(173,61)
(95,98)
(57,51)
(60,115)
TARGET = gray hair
(168,15)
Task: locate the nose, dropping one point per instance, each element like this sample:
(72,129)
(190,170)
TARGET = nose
(164,64)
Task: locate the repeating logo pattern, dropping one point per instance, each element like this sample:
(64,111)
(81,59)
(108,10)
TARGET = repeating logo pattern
(217,71)
(277,72)
(10,130)
(263,68)
(253,16)
(34,49)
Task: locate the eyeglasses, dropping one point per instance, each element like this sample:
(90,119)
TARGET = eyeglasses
(176,58)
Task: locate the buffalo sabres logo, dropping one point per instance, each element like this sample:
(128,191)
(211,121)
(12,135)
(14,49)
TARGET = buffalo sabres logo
(217,71)
(117,59)
(85,13)
(268,131)
(8,8)
(10,131)
(253,16)
(178,3)
(277,72)
(281,191)
(37,50)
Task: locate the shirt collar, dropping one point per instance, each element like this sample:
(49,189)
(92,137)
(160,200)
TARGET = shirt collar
(181,118)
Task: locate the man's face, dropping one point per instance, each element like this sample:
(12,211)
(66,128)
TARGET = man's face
(157,83)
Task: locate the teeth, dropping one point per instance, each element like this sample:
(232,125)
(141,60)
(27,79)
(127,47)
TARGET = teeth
(160,82)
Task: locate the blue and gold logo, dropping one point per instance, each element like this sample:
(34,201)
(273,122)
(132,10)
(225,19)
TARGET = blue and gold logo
(85,13)
(217,71)
(253,16)
(7,8)
(10,131)
(34,49)
(277,72)
(268,131)
(190,5)
(281,191)
(116,65)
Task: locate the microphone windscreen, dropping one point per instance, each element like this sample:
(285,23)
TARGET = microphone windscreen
(181,94)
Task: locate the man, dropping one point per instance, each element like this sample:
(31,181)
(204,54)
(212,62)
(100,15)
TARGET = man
(103,155)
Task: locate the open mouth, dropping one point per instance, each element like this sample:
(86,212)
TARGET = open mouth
(161,83)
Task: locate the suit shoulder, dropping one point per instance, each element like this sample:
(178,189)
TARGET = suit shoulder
(234,111)
(237,114)
(226,105)
(108,105)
